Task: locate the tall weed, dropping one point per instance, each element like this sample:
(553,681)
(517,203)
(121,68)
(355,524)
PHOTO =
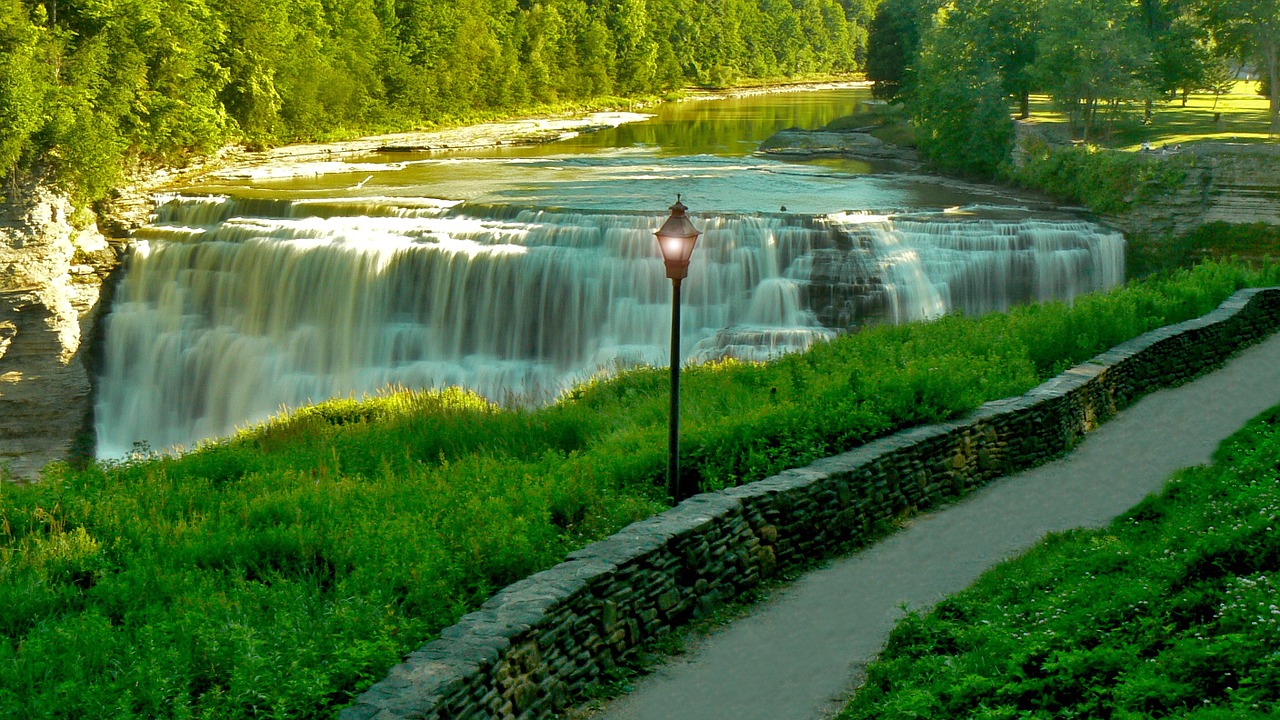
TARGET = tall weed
(280,572)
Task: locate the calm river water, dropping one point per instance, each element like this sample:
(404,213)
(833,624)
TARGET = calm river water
(705,149)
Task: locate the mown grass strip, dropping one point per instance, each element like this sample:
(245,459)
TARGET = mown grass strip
(1169,612)
(282,571)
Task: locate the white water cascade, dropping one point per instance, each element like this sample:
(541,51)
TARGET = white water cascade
(919,268)
(232,309)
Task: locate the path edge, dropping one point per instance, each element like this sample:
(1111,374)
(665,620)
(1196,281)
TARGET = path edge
(542,642)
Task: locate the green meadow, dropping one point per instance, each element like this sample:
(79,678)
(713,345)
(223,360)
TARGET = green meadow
(1239,116)
(280,572)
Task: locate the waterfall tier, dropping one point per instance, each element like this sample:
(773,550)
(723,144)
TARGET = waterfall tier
(231,309)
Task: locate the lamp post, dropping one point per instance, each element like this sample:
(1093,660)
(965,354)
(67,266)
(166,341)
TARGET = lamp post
(676,239)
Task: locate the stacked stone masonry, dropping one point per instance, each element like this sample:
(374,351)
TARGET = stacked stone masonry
(541,642)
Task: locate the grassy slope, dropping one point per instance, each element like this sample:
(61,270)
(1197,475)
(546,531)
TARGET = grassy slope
(1169,612)
(280,572)
(1255,243)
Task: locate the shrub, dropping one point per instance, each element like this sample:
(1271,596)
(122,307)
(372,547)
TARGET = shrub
(1105,181)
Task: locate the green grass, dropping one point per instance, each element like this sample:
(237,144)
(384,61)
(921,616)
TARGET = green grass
(281,572)
(1169,612)
(1241,116)
(1102,180)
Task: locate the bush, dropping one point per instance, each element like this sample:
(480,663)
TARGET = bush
(1105,181)
(1256,244)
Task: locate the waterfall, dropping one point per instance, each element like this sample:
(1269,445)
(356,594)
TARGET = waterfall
(902,269)
(232,309)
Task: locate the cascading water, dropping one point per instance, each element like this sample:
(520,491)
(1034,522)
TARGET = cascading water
(232,309)
(915,268)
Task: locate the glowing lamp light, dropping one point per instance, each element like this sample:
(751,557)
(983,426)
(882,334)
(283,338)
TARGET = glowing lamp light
(676,239)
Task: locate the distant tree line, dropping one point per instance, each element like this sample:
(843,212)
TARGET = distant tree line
(959,65)
(88,87)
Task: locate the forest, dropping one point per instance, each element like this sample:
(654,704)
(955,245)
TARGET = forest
(91,87)
(958,66)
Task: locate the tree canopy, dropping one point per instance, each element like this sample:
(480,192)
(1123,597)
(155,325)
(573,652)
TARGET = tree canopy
(89,86)
(955,64)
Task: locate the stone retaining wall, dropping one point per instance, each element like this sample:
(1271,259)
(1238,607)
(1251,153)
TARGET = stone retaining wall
(534,646)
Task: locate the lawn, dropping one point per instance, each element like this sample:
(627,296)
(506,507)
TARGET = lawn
(1240,116)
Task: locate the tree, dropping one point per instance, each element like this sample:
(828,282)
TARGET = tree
(1092,58)
(23,83)
(1252,27)
(1219,79)
(636,54)
(90,86)
(1012,29)
(893,44)
(959,103)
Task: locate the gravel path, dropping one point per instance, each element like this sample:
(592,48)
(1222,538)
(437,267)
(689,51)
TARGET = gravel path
(796,656)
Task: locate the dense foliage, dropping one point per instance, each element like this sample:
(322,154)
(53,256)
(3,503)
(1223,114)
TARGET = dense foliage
(1104,181)
(280,572)
(1256,243)
(1169,612)
(1105,63)
(89,87)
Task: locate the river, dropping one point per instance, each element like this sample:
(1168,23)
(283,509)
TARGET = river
(517,271)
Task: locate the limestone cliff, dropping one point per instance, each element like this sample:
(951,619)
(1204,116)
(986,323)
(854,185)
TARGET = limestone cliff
(1226,182)
(51,276)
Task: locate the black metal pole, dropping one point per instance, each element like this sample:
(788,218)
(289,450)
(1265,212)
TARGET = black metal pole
(673,444)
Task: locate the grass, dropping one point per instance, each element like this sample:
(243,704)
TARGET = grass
(1240,117)
(279,573)
(887,123)
(1169,612)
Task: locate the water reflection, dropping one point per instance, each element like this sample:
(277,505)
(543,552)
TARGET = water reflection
(705,149)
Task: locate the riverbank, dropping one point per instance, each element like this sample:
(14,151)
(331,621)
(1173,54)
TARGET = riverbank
(238,163)
(133,203)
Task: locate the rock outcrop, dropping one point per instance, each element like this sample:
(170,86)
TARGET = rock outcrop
(1228,182)
(51,279)
(855,145)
